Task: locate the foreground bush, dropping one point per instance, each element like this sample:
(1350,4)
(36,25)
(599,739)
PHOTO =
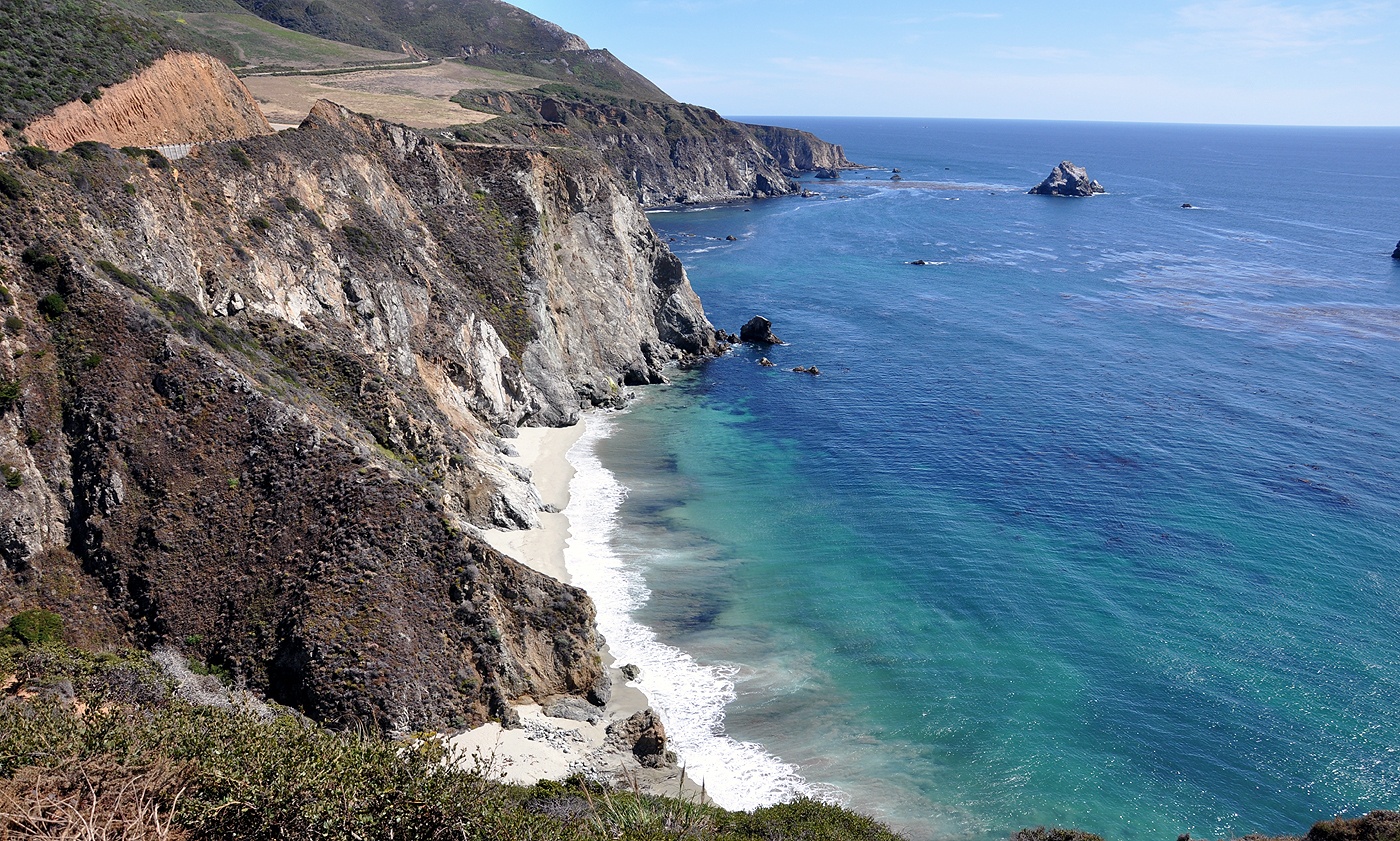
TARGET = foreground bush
(100,741)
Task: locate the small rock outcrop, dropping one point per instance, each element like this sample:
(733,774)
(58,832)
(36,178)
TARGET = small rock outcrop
(802,369)
(645,736)
(1068,180)
(182,98)
(573,709)
(1396,254)
(765,362)
(759,331)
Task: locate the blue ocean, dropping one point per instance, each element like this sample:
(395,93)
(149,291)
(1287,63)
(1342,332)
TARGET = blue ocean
(1093,520)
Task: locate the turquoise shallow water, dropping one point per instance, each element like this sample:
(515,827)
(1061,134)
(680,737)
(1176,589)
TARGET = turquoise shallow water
(1092,523)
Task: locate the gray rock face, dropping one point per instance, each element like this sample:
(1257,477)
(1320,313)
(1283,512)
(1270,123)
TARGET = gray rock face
(759,331)
(670,153)
(1068,180)
(801,151)
(645,736)
(574,710)
(296,412)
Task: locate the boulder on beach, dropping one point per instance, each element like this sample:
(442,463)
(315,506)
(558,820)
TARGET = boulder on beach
(644,735)
(759,331)
(1068,180)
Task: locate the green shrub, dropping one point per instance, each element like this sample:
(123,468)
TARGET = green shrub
(9,394)
(36,156)
(92,360)
(259,223)
(292,204)
(33,627)
(32,436)
(89,150)
(13,478)
(125,278)
(10,186)
(240,157)
(52,305)
(360,240)
(38,259)
(1053,833)
(155,160)
(14,324)
(5,297)
(129,188)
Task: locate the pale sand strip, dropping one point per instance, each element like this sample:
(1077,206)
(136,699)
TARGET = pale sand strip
(545,748)
(544,452)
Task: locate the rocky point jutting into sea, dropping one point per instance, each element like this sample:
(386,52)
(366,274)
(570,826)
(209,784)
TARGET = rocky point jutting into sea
(263,392)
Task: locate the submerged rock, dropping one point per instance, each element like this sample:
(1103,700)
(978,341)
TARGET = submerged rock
(1068,180)
(759,331)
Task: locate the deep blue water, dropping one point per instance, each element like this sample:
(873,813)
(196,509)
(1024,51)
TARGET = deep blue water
(1095,522)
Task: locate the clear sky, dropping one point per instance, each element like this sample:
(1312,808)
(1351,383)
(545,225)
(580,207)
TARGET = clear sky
(1202,61)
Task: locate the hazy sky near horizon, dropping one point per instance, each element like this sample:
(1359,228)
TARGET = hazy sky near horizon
(1198,61)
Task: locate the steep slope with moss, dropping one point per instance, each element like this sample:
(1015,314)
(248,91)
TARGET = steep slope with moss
(253,404)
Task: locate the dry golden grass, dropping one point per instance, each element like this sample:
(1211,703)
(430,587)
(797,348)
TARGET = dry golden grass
(93,800)
(417,96)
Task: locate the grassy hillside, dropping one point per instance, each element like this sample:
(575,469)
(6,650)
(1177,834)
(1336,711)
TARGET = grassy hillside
(55,51)
(105,742)
(444,28)
(598,70)
(263,45)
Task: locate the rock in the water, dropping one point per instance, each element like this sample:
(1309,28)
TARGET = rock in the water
(1068,180)
(644,735)
(828,174)
(731,238)
(1396,255)
(1188,206)
(759,331)
(802,369)
(767,363)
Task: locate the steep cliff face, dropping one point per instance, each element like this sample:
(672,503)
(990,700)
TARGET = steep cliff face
(181,98)
(251,404)
(670,153)
(800,151)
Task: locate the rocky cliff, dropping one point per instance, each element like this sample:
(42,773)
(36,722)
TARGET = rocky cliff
(251,404)
(800,151)
(181,98)
(671,153)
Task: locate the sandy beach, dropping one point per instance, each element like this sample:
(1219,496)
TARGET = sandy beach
(546,747)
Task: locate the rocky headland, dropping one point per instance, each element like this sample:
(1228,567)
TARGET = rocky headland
(254,405)
(1069,180)
(669,152)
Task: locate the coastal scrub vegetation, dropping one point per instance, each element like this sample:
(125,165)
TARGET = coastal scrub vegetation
(89,739)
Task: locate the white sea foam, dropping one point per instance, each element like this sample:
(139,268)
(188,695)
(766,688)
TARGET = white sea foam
(689,696)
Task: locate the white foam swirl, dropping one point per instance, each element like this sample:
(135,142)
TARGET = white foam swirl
(690,697)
